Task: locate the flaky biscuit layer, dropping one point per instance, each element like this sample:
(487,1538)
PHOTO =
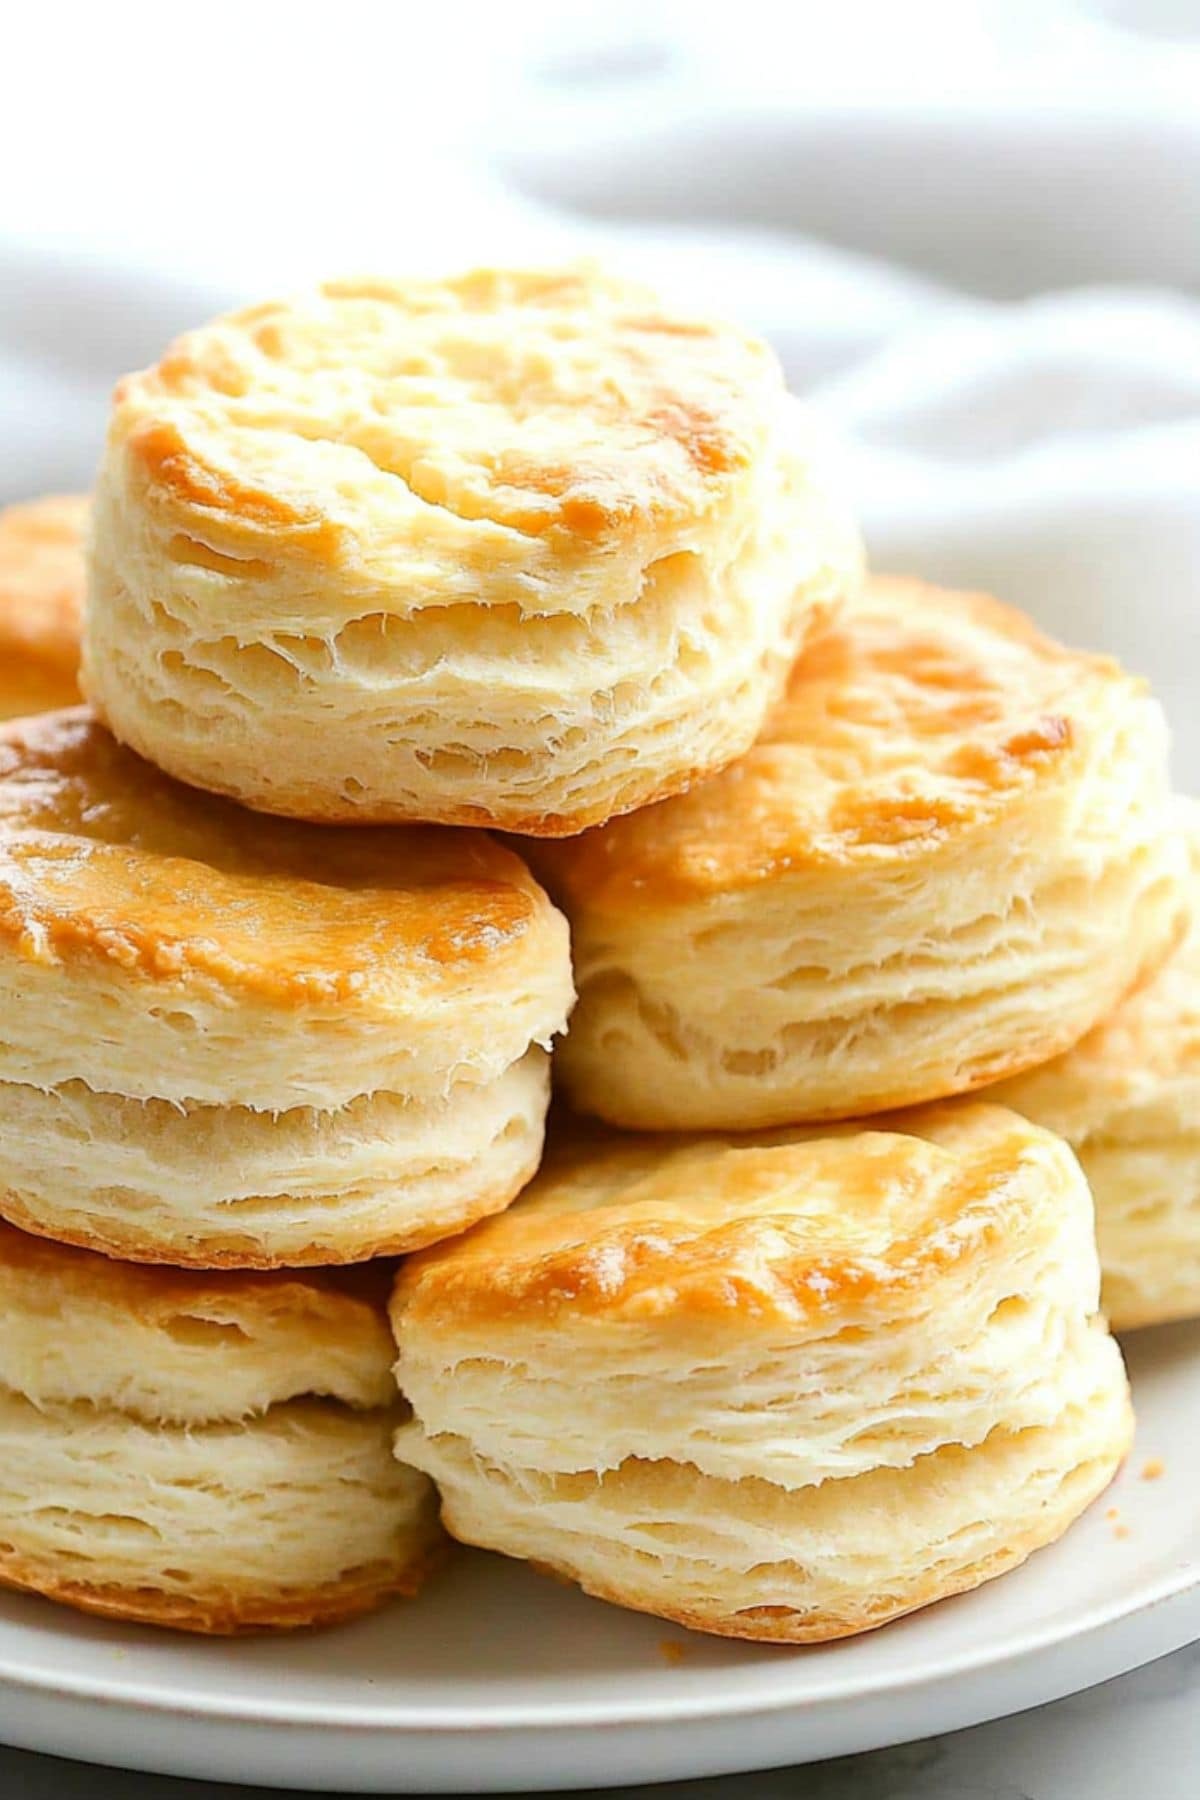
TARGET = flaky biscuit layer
(223,1186)
(783,1340)
(230,1040)
(1127,1097)
(209,1452)
(747,1559)
(948,855)
(524,549)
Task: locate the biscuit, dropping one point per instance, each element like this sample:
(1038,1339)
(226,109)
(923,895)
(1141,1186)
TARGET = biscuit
(1128,1099)
(517,549)
(829,1376)
(41,603)
(948,855)
(230,1040)
(210,1452)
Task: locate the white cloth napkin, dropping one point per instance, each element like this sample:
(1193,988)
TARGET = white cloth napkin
(972,231)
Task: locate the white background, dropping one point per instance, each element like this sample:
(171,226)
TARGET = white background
(972,229)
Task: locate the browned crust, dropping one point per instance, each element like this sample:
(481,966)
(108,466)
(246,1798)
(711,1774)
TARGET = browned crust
(680,389)
(224,1614)
(173,471)
(41,602)
(107,858)
(818,789)
(648,1255)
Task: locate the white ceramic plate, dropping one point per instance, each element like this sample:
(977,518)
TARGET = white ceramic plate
(500,1679)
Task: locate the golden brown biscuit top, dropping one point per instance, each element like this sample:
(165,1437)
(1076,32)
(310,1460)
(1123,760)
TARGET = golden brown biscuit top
(41,592)
(560,403)
(916,715)
(104,856)
(785,1227)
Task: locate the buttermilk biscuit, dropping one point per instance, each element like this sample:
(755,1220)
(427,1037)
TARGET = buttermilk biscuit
(512,549)
(947,857)
(228,1040)
(211,1452)
(1128,1099)
(41,600)
(783,1387)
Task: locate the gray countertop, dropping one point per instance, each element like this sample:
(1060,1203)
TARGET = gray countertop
(1133,1739)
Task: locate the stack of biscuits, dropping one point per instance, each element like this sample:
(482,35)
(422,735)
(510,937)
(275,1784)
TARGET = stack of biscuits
(484,694)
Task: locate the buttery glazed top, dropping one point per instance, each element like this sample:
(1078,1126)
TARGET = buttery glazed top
(563,405)
(779,1228)
(41,599)
(917,715)
(102,856)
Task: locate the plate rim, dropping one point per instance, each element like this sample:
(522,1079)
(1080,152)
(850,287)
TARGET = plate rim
(629,1712)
